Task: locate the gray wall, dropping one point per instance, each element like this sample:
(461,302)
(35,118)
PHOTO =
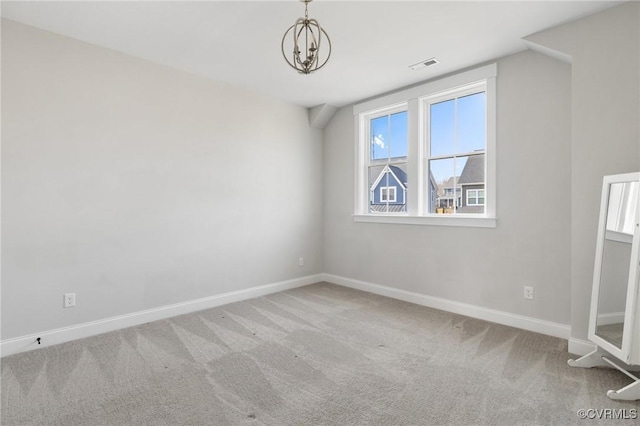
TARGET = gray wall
(561,128)
(605,51)
(485,267)
(137,186)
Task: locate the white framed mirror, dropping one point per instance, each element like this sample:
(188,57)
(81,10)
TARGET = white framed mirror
(616,266)
(614,325)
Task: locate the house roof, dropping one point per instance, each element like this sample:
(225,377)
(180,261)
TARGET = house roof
(473,171)
(401,174)
(400,170)
(448,183)
(388,208)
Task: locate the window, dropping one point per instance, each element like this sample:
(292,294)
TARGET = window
(386,163)
(388,194)
(455,136)
(426,155)
(475,197)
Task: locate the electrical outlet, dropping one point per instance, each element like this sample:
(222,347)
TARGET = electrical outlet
(528,292)
(69,300)
(301,261)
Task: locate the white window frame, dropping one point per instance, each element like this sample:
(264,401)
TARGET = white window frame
(477,197)
(366,153)
(414,100)
(389,189)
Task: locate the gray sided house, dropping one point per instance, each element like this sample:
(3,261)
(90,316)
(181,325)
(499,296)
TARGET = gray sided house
(446,197)
(465,192)
(471,182)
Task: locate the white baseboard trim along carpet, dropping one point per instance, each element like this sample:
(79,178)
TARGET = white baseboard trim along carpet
(92,328)
(549,328)
(580,347)
(66,334)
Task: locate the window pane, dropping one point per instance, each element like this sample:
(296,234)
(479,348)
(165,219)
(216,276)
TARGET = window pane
(398,135)
(472,182)
(456,185)
(379,132)
(388,188)
(471,123)
(442,132)
(375,203)
(389,136)
(388,155)
(442,186)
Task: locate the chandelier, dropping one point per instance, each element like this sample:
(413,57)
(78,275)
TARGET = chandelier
(307,37)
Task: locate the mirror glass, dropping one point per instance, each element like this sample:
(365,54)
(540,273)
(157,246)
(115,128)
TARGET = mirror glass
(616,261)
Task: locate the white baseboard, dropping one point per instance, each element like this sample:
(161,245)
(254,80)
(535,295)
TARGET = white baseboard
(611,318)
(581,347)
(519,321)
(66,334)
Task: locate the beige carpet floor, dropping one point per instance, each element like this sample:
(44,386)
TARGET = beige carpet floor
(317,355)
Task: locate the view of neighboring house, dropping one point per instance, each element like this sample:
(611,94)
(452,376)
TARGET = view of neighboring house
(462,194)
(469,194)
(471,182)
(446,198)
(389,188)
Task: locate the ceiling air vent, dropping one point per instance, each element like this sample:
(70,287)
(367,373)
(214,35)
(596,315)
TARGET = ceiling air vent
(425,63)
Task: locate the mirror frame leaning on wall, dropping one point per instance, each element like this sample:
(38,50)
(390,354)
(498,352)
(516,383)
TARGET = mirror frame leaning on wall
(617,343)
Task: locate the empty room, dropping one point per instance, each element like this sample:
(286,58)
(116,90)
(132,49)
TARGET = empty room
(321,212)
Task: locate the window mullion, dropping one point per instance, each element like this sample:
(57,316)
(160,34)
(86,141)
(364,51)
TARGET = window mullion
(386,190)
(490,166)
(415,169)
(455,157)
(362,166)
(386,177)
(462,154)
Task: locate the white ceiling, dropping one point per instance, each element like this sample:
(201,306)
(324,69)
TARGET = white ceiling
(238,42)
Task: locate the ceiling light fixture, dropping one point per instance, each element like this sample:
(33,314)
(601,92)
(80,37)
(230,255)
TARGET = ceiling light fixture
(307,37)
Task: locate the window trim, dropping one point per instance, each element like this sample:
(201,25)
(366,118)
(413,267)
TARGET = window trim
(363,154)
(425,107)
(389,199)
(477,197)
(413,100)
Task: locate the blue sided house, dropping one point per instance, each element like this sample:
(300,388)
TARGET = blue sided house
(389,190)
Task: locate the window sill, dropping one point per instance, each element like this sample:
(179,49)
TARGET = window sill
(433,220)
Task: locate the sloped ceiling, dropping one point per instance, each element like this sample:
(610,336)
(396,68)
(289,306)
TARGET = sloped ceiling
(374,42)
